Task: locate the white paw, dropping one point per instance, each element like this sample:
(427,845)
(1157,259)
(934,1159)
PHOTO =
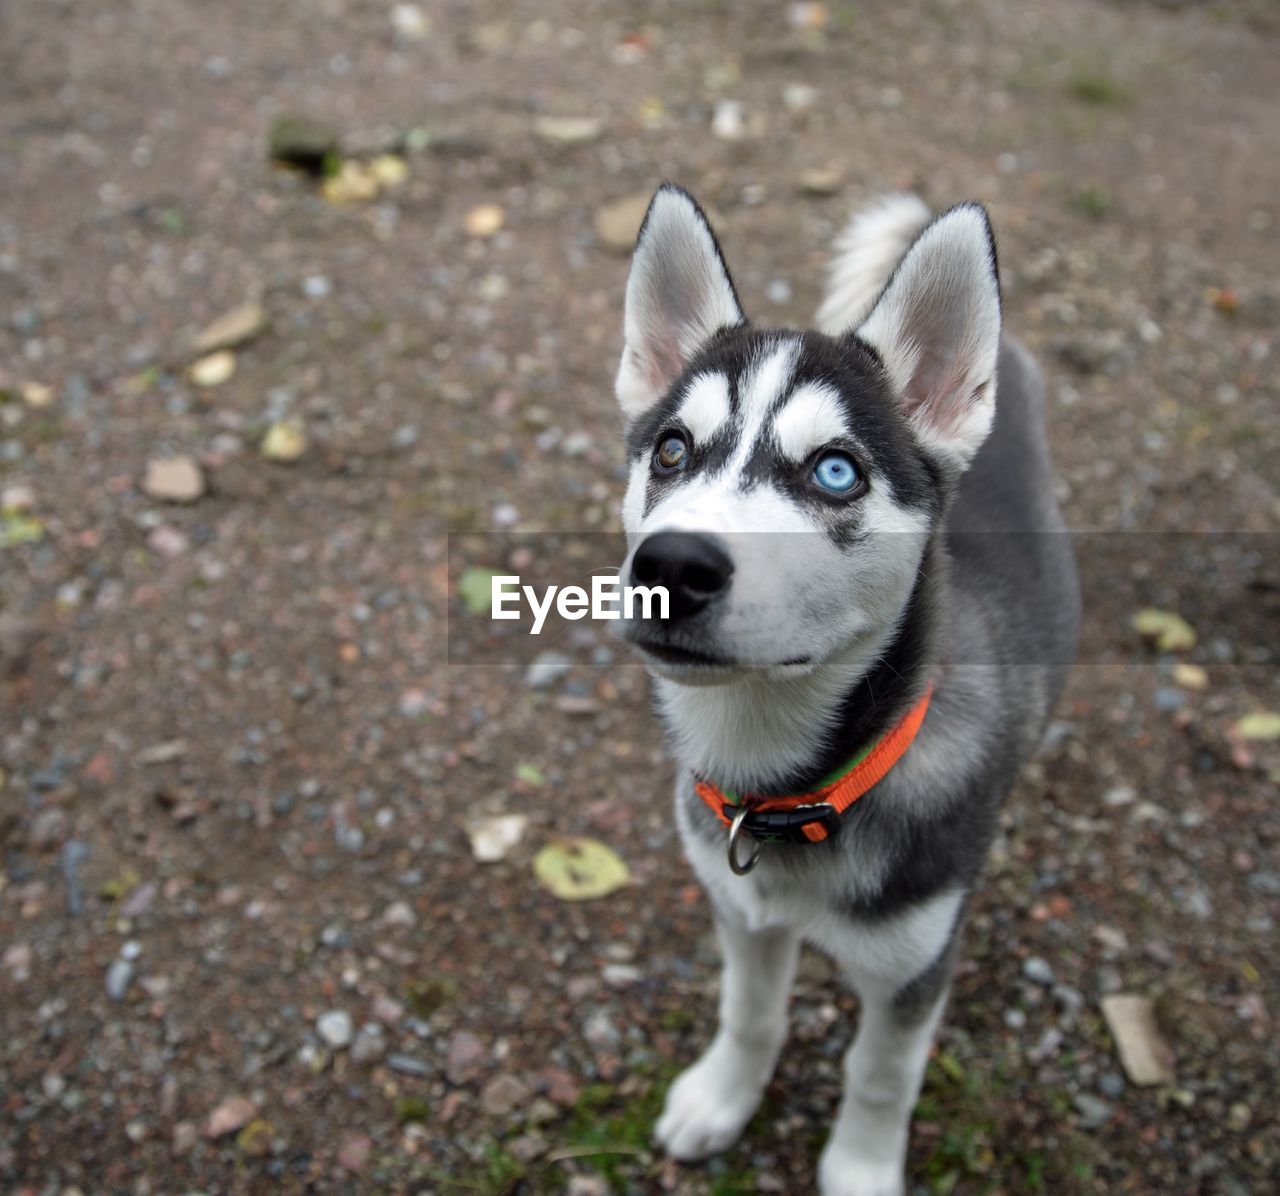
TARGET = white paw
(709,1105)
(844,1173)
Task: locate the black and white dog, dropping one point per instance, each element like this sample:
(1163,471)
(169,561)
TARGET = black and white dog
(871,593)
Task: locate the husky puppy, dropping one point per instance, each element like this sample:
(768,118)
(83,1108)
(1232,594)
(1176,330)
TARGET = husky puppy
(873,606)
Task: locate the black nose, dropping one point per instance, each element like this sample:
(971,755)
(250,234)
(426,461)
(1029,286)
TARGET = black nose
(693,569)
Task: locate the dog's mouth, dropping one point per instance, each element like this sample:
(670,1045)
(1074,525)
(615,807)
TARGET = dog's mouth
(671,654)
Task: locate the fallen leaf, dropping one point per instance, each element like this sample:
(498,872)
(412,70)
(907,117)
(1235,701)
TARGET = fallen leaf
(1144,1055)
(568,130)
(530,774)
(285,441)
(1261,724)
(651,114)
(485,220)
(1225,300)
(617,222)
(475,588)
(17,528)
(821,180)
(354,183)
(36,394)
(214,369)
(389,170)
(492,839)
(232,329)
(1190,676)
(256,1139)
(162,753)
(1169,632)
(580,869)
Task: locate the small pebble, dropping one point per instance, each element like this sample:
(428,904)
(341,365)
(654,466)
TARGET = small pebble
(1093,1111)
(119,977)
(336,1028)
(1038,971)
(370,1044)
(621,975)
(547,668)
(408,1065)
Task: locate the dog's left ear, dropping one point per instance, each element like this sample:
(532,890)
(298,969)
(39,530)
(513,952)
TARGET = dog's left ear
(937,329)
(679,294)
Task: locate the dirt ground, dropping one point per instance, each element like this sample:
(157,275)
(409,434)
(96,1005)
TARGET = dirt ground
(245,943)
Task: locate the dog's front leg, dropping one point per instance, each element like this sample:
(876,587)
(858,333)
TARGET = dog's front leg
(710,1104)
(883,1071)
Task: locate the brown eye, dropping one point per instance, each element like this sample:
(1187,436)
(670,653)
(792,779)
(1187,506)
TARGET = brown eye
(672,452)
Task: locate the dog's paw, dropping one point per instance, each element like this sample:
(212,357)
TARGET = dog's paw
(844,1173)
(708,1106)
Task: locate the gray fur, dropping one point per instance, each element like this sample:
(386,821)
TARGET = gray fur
(990,620)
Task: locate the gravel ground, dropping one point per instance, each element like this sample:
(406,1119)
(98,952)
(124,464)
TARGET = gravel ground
(245,943)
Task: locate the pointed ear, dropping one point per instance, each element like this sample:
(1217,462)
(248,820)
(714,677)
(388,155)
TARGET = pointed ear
(679,294)
(937,329)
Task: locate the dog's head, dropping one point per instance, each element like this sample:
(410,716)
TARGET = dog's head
(783,486)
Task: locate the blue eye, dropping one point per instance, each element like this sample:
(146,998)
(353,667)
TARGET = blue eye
(836,473)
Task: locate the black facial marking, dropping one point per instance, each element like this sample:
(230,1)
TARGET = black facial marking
(881,443)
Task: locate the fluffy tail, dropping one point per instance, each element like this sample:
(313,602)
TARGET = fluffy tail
(865,256)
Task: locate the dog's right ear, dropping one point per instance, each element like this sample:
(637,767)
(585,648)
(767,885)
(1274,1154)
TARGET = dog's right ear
(679,294)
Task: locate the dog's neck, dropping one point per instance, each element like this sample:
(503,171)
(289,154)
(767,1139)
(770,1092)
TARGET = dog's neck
(784,736)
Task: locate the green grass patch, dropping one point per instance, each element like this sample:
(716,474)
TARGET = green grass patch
(410,1110)
(982,1144)
(1095,87)
(426,995)
(1091,201)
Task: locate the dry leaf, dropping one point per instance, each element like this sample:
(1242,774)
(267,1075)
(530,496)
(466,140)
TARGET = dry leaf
(36,394)
(1169,632)
(618,222)
(214,369)
(485,220)
(492,839)
(475,588)
(232,329)
(1261,724)
(1190,676)
(354,183)
(389,170)
(285,441)
(580,869)
(1144,1055)
(568,130)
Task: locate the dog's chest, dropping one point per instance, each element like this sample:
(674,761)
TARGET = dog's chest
(814,903)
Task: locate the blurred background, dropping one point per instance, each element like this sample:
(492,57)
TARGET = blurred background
(288,292)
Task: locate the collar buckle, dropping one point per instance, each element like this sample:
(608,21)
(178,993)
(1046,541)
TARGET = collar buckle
(788,825)
(778,826)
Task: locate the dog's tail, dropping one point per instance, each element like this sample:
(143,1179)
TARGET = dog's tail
(865,256)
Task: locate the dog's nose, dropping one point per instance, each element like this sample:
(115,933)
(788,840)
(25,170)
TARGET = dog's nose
(693,569)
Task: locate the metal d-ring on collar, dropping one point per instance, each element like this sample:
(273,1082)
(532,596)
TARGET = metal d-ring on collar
(737,866)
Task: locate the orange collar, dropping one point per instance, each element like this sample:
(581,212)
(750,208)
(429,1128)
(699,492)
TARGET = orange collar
(808,816)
